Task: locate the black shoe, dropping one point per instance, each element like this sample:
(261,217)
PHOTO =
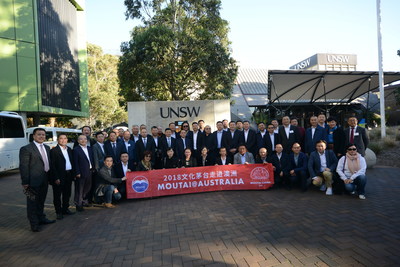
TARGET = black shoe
(35,228)
(47,221)
(79,208)
(59,216)
(88,205)
(68,212)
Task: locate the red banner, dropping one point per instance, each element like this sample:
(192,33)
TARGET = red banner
(199,179)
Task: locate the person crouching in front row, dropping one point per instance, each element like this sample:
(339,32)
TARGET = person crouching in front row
(170,161)
(351,169)
(107,183)
(145,164)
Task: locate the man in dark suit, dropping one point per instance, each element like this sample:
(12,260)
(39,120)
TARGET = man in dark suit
(335,137)
(120,170)
(145,143)
(243,156)
(280,162)
(114,148)
(167,141)
(61,176)
(288,135)
(83,169)
(217,137)
(130,148)
(34,166)
(182,143)
(356,135)
(98,151)
(313,134)
(86,131)
(157,148)
(298,170)
(271,139)
(249,138)
(261,135)
(197,139)
(321,166)
(302,132)
(232,139)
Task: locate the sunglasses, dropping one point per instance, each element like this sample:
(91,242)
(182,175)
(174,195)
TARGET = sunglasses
(148,156)
(351,149)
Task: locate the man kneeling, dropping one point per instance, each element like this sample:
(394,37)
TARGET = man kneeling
(106,184)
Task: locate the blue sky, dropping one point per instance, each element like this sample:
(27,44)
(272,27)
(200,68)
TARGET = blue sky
(274,34)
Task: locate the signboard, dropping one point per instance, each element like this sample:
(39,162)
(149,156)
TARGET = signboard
(161,113)
(164,182)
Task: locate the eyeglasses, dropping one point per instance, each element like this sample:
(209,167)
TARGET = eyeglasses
(351,149)
(185,126)
(148,156)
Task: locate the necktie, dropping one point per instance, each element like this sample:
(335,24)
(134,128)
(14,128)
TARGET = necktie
(45,159)
(115,149)
(144,142)
(169,141)
(352,136)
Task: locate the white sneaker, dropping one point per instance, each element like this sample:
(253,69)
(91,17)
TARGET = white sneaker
(329,191)
(322,188)
(361,197)
(353,193)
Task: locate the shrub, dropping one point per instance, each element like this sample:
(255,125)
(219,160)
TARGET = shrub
(388,142)
(376,147)
(375,134)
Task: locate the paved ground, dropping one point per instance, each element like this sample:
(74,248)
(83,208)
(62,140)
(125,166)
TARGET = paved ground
(237,228)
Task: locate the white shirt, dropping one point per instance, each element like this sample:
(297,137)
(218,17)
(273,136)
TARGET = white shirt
(156,140)
(219,139)
(223,161)
(64,151)
(195,140)
(243,158)
(322,158)
(127,145)
(135,137)
(169,141)
(124,167)
(344,172)
(355,128)
(101,146)
(276,130)
(279,155)
(85,150)
(246,133)
(287,130)
(173,135)
(233,134)
(39,148)
(263,133)
(313,132)
(272,137)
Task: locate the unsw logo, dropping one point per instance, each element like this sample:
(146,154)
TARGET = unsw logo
(140,184)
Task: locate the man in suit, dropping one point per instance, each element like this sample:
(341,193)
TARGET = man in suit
(302,131)
(261,135)
(232,139)
(225,125)
(201,124)
(83,169)
(356,135)
(288,135)
(135,133)
(280,163)
(167,141)
(182,143)
(197,139)
(86,131)
(114,148)
(239,125)
(34,166)
(61,176)
(98,151)
(321,166)
(298,170)
(243,157)
(172,126)
(249,138)
(157,148)
(313,134)
(217,137)
(271,139)
(120,170)
(130,148)
(335,137)
(145,143)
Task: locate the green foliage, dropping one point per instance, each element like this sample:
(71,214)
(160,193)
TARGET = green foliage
(104,99)
(180,52)
(389,142)
(376,147)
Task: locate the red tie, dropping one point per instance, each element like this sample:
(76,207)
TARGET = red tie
(352,135)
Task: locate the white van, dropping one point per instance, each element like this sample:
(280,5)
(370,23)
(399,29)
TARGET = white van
(12,138)
(53,132)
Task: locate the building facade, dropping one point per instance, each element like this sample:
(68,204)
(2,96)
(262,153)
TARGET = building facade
(43,58)
(336,62)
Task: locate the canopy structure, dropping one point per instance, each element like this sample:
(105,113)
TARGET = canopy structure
(300,87)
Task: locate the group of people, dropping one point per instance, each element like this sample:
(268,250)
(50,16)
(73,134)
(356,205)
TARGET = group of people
(324,154)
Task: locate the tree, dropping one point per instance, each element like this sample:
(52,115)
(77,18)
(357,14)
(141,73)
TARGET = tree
(180,52)
(104,99)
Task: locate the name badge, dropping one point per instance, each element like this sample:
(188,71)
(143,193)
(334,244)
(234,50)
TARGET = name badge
(291,131)
(129,144)
(356,134)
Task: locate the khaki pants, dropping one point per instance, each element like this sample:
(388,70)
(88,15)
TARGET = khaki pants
(324,177)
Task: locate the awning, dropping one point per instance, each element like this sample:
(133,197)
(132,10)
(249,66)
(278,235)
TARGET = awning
(322,87)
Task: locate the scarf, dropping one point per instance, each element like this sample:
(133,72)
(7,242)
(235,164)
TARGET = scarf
(353,163)
(146,165)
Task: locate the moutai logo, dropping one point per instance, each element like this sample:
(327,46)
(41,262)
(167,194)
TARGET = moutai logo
(140,184)
(259,173)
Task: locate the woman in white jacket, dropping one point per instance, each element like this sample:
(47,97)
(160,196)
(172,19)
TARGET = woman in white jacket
(351,169)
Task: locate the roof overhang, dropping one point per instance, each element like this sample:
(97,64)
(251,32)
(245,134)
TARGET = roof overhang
(323,87)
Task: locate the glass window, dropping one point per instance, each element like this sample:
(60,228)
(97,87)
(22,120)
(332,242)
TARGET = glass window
(11,128)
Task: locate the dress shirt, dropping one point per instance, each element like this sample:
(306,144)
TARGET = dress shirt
(156,140)
(145,142)
(276,130)
(64,151)
(322,158)
(124,168)
(43,153)
(233,134)
(296,158)
(313,132)
(243,158)
(169,141)
(101,146)
(263,133)
(279,155)
(135,137)
(219,138)
(195,140)
(287,130)
(223,161)
(246,133)
(272,137)
(127,145)
(85,150)
(184,143)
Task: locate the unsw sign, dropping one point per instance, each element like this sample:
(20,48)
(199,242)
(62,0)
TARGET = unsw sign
(199,179)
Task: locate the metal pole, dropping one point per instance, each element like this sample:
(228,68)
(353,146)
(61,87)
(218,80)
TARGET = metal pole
(381,92)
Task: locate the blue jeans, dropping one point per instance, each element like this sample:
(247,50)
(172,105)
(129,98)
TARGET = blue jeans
(360,182)
(109,194)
